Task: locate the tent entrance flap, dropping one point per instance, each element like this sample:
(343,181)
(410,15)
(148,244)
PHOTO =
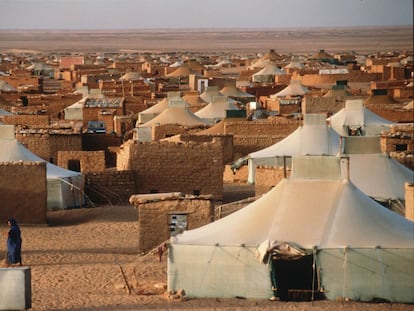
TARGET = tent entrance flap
(295,278)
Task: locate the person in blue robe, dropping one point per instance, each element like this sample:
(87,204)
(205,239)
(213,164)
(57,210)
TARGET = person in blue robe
(14,243)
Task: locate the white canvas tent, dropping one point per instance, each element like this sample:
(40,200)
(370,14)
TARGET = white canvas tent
(360,250)
(233,91)
(295,88)
(355,117)
(176,113)
(375,173)
(314,137)
(64,187)
(216,109)
(268,73)
(75,111)
(209,93)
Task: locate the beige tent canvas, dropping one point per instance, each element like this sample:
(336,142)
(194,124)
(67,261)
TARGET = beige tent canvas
(176,113)
(295,88)
(216,109)
(352,247)
(355,120)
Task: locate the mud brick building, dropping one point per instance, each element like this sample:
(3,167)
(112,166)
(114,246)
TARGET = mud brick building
(163,215)
(103,109)
(46,143)
(190,167)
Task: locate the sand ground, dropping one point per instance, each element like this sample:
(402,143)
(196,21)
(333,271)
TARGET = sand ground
(285,40)
(86,259)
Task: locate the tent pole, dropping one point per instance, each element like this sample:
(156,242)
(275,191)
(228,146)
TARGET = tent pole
(313,274)
(344,276)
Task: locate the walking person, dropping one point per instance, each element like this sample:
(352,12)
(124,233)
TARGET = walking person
(14,244)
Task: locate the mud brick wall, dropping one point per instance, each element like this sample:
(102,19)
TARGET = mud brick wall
(167,130)
(29,120)
(47,145)
(256,128)
(110,186)
(225,140)
(240,175)
(90,161)
(401,116)
(243,145)
(409,201)
(327,105)
(153,219)
(23,192)
(268,177)
(194,168)
(352,76)
(253,136)
(95,113)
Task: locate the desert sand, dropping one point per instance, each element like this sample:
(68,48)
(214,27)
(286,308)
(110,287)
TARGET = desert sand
(285,40)
(86,259)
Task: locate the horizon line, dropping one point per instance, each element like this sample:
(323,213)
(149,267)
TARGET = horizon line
(204,28)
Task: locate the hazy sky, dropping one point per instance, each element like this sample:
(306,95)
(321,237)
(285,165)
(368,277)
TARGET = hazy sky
(136,14)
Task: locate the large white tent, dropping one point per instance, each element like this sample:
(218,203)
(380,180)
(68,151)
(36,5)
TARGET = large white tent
(354,117)
(295,88)
(176,113)
(216,109)
(64,187)
(359,250)
(314,137)
(268,73)
(153,111)
(209,93)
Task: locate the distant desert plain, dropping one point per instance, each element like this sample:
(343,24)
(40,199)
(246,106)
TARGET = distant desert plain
(285,40)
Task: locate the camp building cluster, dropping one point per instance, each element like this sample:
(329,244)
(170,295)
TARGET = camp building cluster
(111,125)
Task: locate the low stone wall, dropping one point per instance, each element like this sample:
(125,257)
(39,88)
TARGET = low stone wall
(155,211)
(23,192)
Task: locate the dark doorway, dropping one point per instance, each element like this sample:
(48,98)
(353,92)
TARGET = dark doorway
(294,278)
(74,165)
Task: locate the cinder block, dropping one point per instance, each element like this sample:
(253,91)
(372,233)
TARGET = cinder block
(15,288)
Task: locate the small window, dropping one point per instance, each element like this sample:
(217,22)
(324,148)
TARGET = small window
(177,223)
(196,192)
(74,165)
(401,147)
